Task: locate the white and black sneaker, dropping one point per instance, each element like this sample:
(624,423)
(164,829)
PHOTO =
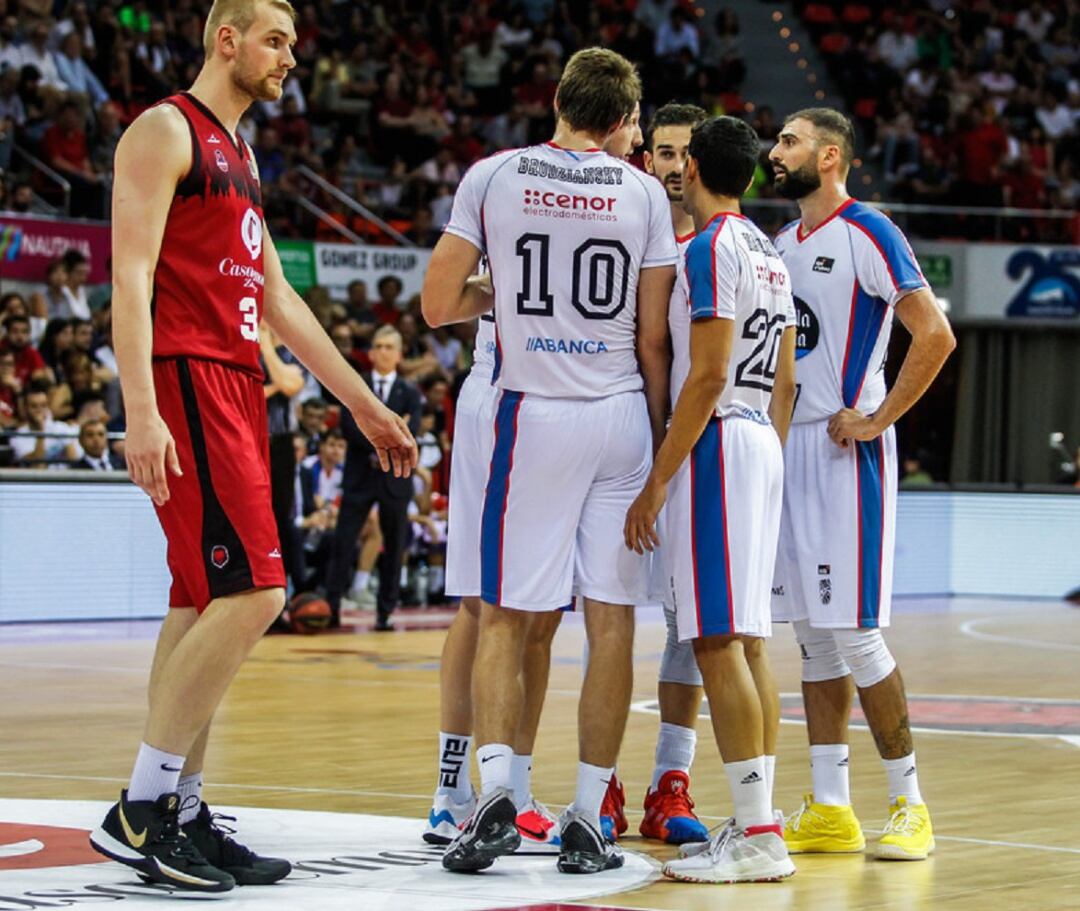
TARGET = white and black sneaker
(146,835)
(489,833)
(584,849)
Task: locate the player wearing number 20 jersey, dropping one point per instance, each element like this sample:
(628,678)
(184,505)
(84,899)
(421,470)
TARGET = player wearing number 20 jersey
(724,502)
(566,234)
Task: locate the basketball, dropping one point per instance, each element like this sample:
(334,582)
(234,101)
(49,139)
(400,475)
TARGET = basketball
(309,614)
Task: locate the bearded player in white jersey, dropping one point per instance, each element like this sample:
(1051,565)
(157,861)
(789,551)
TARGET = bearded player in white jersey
(720,473)
(582,258)
(851,270)
(455,799)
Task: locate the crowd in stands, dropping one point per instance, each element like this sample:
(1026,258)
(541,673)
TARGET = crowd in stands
(963,102)
(959,101)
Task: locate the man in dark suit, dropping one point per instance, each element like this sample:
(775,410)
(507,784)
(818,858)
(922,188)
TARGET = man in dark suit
(366,484)
(95,446)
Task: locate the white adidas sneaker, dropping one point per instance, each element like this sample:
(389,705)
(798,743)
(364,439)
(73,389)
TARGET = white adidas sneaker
(736,856)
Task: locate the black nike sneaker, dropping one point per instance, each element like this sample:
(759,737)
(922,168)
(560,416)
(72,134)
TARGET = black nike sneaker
(583,848)
(146,835)
(213,840)
(489,833)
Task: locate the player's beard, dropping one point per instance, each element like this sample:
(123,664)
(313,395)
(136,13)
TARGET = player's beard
(800,182)
(673,195)
(258,87)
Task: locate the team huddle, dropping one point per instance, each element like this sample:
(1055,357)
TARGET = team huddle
(635,430)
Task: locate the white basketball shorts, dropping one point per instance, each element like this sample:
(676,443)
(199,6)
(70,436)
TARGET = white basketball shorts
(834,565)
(722,524)
(563,474)
(469,463)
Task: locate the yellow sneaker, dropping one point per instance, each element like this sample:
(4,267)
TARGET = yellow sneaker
(908,834)
(817,828)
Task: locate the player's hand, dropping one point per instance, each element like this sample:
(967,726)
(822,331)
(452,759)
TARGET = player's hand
(391,437)
(640,528)
(849,424)
(151,456)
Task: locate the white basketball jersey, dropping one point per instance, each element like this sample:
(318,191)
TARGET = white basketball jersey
(847,275)
(565,234)
(733,272)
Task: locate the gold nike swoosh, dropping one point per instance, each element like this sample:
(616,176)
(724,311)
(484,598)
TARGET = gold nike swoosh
(136,841)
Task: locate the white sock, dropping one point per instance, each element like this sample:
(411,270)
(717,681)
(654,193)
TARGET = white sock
(521,780)
(749,792)
(592,785)
(770,775)
(674,751)
(455,751)
(360,580)
(903,779)
(829,772)
(156,772)
(190,786)
(438,578)
(494,761)
(404,579)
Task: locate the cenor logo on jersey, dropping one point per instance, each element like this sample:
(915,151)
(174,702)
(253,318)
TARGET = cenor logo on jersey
(251,233)
(807,329)
(551,202)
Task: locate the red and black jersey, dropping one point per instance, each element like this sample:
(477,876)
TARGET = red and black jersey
(208,286)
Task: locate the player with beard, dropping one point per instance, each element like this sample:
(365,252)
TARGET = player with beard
(851,270)
(194,274)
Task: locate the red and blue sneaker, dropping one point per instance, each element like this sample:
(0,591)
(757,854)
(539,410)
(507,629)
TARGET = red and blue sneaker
(669,812)
(613,811)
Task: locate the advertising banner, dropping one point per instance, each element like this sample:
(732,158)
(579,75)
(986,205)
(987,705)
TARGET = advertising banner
(1023,281)
(29,244)
(338,264)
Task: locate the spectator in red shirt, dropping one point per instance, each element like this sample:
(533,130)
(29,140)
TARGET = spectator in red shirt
(29,364)
(535,98)
(462,141)
(982,150)
(292,127)
(387,310)
(67,150)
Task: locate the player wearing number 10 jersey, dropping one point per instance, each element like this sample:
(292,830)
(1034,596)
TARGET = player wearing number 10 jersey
(582,258)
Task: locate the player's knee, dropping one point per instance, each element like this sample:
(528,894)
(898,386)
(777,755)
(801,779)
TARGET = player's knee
(865,652)
(679,664)
(821,658)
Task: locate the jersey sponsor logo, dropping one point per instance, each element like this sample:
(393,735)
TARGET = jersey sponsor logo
(252,277)
(564,346)
(551,200)
(219,556)
(569,205)
(824,264)
(807,329)
(538,167)
(775,279)
(219,160)
(251,233)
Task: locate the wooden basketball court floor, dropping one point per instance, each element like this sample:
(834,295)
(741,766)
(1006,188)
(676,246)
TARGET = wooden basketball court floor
(347,723)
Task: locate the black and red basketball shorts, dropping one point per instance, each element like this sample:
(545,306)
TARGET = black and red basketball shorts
(218,520)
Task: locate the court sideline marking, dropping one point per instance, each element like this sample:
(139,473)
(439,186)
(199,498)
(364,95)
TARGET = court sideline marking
(968,628)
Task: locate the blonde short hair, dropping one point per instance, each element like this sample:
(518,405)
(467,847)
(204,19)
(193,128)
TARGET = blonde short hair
(239,14)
